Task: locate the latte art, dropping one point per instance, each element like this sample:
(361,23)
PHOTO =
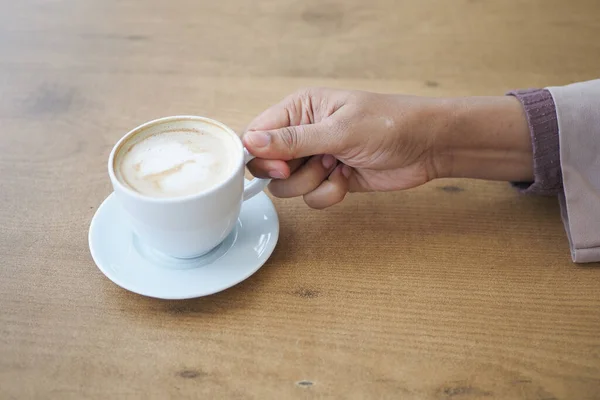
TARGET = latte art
(175,163)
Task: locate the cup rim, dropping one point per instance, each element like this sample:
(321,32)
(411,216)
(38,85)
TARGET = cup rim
(139,196)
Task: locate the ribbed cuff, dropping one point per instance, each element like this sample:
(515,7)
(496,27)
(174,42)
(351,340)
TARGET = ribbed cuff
(543,126)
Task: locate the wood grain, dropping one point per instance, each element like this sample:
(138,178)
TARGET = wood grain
(456,290)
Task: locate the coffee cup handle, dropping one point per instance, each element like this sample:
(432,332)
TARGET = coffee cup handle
(256,185)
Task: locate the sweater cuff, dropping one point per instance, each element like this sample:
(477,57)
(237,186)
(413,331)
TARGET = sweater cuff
(540,110)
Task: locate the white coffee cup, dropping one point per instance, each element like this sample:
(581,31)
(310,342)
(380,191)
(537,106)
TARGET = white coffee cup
(188,226)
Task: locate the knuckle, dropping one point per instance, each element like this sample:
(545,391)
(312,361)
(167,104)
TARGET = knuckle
(308,91)
(305,92)
(299,98)
(289,139)
(312,95)
(302,91)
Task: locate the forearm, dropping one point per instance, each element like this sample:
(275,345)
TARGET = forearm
(484,138)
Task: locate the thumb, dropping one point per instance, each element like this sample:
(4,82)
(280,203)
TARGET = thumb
(290,142)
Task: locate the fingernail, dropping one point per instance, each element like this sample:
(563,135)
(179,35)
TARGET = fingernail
(258,139)
(276,174)
(346,171)
(328,161)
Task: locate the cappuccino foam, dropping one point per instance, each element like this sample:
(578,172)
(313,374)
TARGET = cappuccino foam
(176,163)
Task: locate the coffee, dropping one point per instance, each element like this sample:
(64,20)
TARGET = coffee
(175,162)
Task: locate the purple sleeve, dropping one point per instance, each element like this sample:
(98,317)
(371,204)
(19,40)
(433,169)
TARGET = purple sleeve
(543,126)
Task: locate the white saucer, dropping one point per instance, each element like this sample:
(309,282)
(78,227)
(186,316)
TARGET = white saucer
(130,264)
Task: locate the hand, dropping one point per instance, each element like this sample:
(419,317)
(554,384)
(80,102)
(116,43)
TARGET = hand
(324,143)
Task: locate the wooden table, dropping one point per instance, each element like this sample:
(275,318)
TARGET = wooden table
(456,290)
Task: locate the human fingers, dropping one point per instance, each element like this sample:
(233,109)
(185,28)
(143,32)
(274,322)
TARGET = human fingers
(331,191)
(306,179)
